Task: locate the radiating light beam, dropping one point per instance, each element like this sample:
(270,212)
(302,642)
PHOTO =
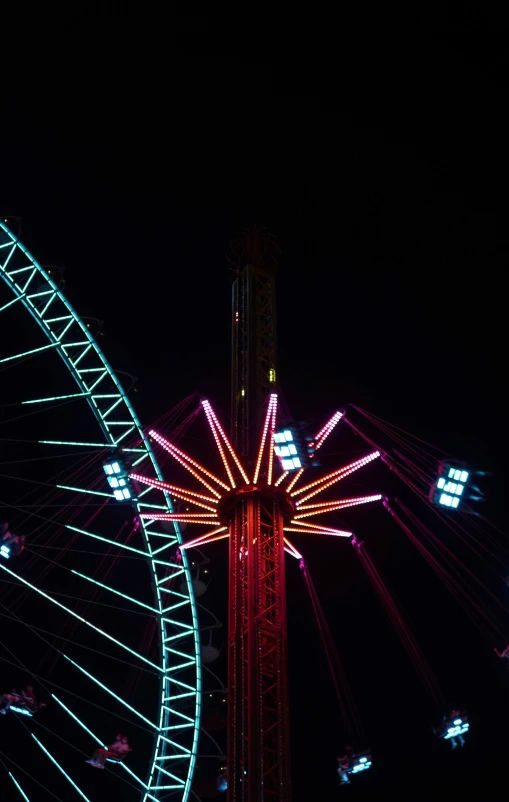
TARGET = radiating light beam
(186,519)
(272,429)
(295,479)
(268,418)
(116,592)
(59,767)
(79,617)
(171,489)
(75,717)
(16,783)
(331,478)
(290,548)
(176,451)
(216,437)
(197,542)
(111,693)
(317,530)
(356,500)
(281,478)
(327,429)
(228,444)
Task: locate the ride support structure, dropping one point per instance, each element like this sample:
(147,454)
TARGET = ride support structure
(258,733)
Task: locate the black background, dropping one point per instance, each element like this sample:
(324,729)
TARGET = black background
(375,150)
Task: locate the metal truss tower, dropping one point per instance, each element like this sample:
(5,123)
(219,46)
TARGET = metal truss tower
(258,746)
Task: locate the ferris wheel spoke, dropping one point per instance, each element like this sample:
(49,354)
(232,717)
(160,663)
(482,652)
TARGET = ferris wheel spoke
(16,783)
(59,767)
(123,546)
(80,618)
(116,592)
(111,693)
(95,738)
(84,490)
(55,398)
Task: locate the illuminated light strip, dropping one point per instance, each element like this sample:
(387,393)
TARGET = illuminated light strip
(327,429)
(118,698)
(281,478)
(29,353)
(171,489)
(295,479)
(75,717)
(290,548)
(190,500)
(194,473)
(317,530)
(68,443)
(343,475)
(357,500)
(201,542)
(117,592)
(215,434)
(228,444)
(79,617)
(106,540)
(338,505)
(56,398)
(16,783)
(171,448)
(333,473)
(271,445)
(82,490)
(268,418)
(59,767)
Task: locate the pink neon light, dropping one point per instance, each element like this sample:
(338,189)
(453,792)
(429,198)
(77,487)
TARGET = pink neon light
(320,531)
(172,489)
(295,480)
(337,505)
(283,476)
(356,500)
(337,476)
(290,548)
(319,526)
(228,444)
(202,542)
(268,417)
(174,451)
(175,516)
(334,473)
(218,443)
(271,444)
(327,429)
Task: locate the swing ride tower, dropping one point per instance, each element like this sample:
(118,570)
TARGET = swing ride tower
(258,731)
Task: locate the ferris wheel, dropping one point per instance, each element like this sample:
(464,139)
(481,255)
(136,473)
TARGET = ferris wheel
(98,615)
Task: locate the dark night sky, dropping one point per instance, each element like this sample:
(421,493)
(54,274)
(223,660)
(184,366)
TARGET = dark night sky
(377,154)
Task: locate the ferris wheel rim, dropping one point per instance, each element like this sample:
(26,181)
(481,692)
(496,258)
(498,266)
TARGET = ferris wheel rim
(21,282)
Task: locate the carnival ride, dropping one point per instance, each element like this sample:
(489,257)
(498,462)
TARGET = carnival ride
(264,498)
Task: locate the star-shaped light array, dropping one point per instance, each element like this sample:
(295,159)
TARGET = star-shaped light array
(207,508)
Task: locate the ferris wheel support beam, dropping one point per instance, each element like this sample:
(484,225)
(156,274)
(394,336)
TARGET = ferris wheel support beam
(18,786)
(59,767)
